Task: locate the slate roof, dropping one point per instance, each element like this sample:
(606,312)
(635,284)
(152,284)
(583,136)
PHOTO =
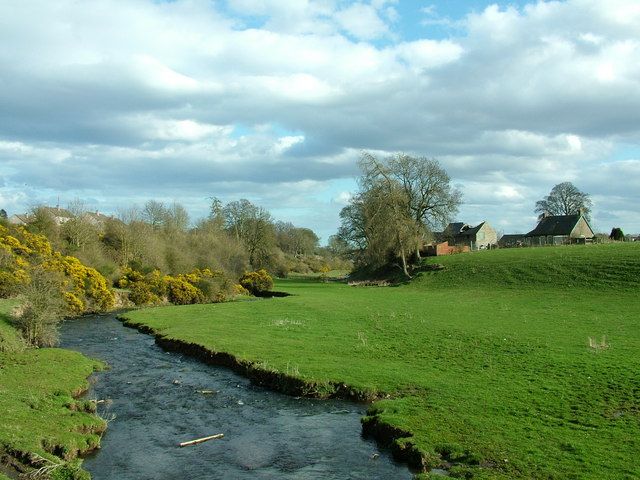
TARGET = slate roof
(555,225)
(453,228)
(511,237)
(470,232)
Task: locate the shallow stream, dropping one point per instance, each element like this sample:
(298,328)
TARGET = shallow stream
(158,399)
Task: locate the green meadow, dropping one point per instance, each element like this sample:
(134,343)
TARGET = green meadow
(521,363)
(41,423)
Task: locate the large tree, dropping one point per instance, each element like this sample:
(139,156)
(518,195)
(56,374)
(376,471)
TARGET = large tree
(565,199)
(400,198)
(295,240)
(253,226)
(430,200)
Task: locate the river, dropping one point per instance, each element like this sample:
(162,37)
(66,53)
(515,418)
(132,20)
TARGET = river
(155,400)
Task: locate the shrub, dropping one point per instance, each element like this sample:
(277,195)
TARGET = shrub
(257,282)
(140,294)
(239,290)
(42,309)
(617,234)
(181,292)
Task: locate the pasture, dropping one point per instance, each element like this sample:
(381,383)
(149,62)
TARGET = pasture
(505,364)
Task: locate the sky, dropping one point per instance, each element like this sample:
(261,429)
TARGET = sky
(116,102)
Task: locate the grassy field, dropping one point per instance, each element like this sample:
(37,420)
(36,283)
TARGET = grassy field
(38,412)
(487,363)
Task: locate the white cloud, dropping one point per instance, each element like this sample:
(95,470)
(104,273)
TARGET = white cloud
(184,95)
(362,22)
(343,198)
(426,54)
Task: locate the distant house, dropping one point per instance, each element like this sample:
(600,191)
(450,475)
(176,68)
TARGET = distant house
(476,238)
(560,230)
(19,219)
(60,216)
(511,240)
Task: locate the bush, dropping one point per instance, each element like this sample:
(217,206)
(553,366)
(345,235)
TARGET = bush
(181,292)
(42,309)
(140,294)
(257,282)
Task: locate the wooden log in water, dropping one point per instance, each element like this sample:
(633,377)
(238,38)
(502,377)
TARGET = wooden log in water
(201,440)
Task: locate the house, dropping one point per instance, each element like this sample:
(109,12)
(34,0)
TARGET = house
(476,238)
(60,216)
(511,240)
(560,230)
(19,219)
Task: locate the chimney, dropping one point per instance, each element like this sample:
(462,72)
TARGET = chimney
(543,215)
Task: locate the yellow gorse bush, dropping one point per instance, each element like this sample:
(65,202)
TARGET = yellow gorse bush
(84,288)
(198,286)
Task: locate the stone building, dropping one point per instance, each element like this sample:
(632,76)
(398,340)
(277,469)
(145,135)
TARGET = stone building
(560,230)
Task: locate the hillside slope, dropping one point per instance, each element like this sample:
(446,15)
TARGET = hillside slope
(587,266)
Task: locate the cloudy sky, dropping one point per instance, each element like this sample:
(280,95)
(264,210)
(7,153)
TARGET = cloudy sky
(119,101)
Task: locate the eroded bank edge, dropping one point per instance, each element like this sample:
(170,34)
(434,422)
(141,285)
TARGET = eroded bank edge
(387,436)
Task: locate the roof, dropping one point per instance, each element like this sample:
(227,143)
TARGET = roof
(453,228)
(554,225)
(57,212)
(471,231)
(512,236)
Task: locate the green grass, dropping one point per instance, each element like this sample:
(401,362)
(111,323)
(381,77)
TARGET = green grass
(39,412)
(487,362)
(10,340)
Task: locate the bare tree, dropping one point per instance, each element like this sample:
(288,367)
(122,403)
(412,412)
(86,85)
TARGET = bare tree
(565,199)
(253,226)
(176,218)
(154,213)
(295,240)
(79,230)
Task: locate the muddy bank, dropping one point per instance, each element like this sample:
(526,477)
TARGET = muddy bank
(389,436)
(384,434)
(277,381)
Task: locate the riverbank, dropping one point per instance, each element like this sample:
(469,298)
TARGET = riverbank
(486,379)
(45,423)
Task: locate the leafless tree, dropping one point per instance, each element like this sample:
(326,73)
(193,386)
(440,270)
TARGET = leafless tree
(565,199)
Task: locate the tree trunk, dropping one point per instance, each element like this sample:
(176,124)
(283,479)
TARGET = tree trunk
(404,263)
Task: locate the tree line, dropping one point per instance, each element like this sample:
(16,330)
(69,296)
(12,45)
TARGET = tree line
(235,237)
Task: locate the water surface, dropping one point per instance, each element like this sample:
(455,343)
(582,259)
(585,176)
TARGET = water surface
(157,401)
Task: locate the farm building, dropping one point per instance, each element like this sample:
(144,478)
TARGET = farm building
(560,230)
(476,238)
(511,240)
(443,248)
